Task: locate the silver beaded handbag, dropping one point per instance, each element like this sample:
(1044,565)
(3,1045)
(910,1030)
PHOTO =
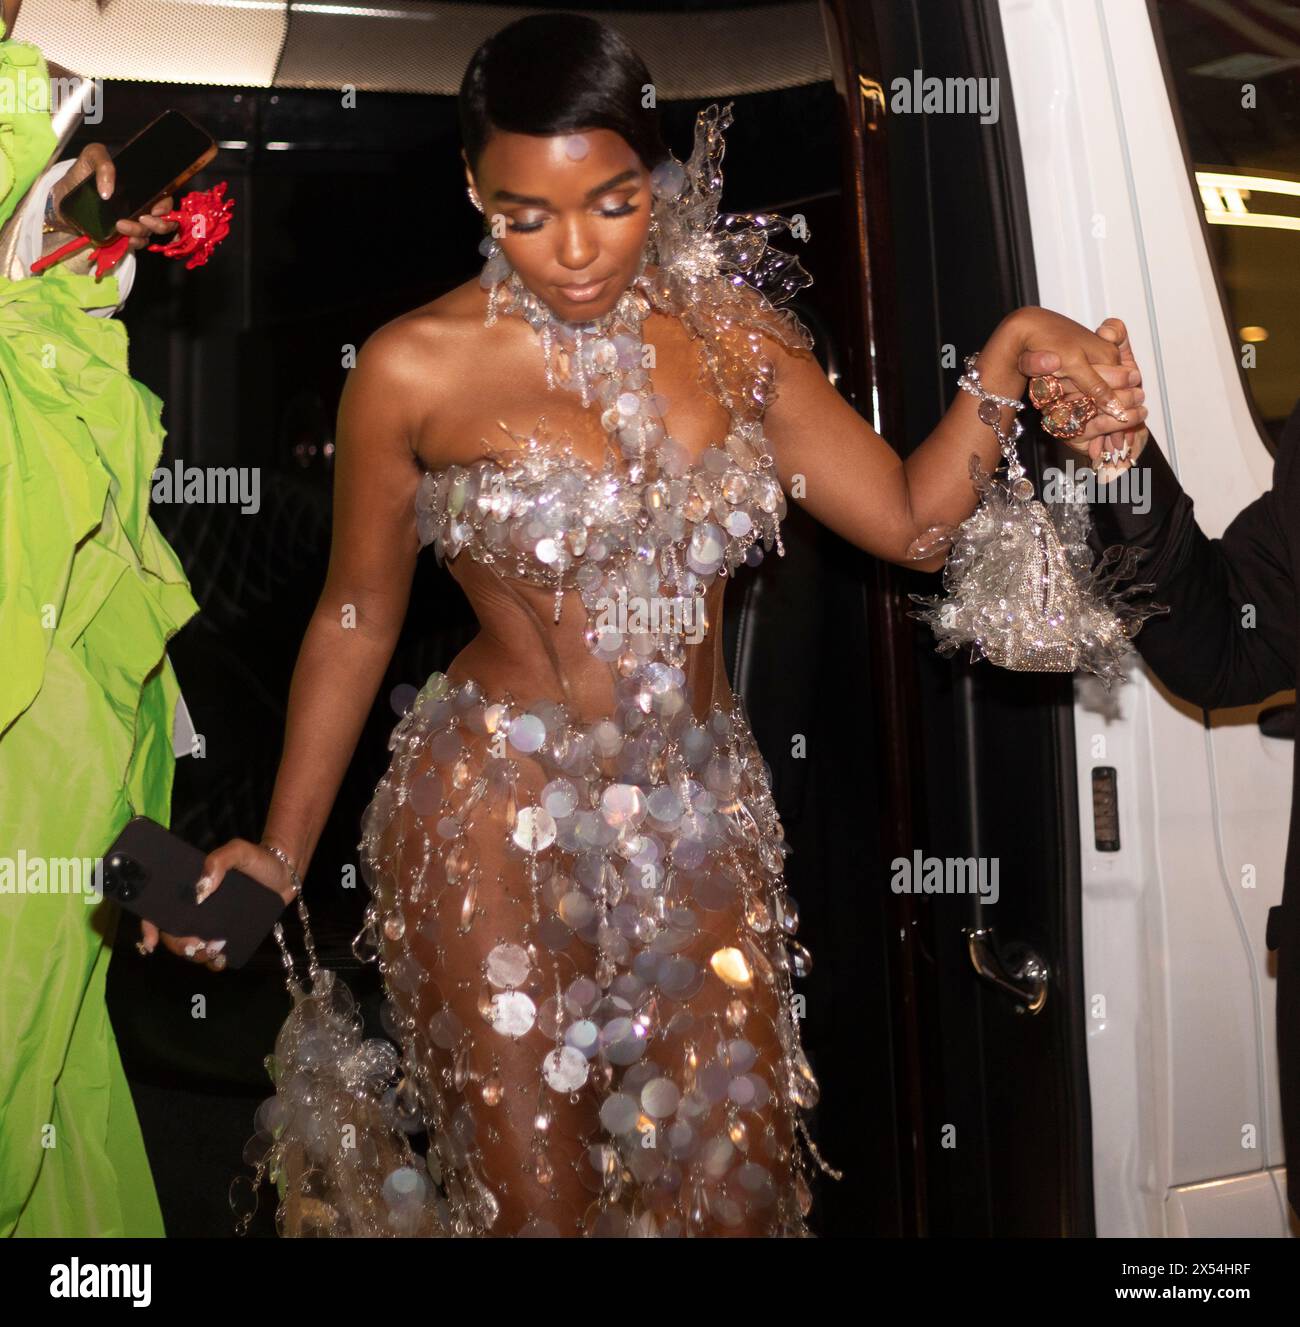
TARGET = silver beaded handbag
(1020,587)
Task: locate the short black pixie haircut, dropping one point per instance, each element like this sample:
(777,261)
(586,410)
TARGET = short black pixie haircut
(558,74)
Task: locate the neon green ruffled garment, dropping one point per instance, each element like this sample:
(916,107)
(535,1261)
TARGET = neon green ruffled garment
(90,592)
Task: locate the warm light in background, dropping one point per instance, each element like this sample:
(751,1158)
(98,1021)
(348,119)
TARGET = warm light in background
(1224,197)
(1254,334)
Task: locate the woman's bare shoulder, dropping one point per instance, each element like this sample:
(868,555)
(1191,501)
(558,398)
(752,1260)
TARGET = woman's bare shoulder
(428,346)
(417,369)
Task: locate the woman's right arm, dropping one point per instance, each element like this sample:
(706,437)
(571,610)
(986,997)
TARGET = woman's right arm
(354,628)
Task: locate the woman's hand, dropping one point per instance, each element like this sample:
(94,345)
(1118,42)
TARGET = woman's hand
(94,160)
(1123,376)
(853,482)
(1113,330)
(239,855)
(149,224)
(1076,356)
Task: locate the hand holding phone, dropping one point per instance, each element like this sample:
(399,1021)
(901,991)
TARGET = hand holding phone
(155,875)
(95,165)
(158,160)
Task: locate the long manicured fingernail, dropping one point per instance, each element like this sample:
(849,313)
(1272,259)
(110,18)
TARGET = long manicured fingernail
(214,946)
(204,887)
(1113,407)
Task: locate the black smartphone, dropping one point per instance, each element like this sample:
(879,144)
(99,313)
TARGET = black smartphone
(152,872)
(156,162)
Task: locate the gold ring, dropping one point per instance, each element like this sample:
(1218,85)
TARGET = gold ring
(1044,390)
(1068,419)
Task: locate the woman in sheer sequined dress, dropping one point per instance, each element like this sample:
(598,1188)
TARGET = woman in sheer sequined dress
(575,862)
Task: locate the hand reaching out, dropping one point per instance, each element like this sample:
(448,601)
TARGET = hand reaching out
(1110,445)
(1113,330)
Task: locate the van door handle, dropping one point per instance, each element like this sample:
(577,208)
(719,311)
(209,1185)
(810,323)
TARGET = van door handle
(1017,970)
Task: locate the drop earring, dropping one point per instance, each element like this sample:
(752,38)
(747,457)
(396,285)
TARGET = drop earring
(496,271)
(474,198)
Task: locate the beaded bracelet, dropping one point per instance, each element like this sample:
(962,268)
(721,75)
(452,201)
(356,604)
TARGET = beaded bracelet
(313,962)
(283,858)
(990,413)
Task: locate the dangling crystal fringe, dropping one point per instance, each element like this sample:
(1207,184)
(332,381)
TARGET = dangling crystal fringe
(286,958)
(548,344)
(822,1164)
(579,369)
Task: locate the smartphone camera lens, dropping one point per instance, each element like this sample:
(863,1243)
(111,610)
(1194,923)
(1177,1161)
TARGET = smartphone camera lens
(123,877)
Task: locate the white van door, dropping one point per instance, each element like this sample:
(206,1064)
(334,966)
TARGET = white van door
(1183,824)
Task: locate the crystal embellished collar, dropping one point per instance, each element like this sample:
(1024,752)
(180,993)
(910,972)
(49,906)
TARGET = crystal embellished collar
(508,293)
(602,360)
(716,272)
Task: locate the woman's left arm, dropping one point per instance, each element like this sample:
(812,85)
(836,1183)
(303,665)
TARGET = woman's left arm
(844,473)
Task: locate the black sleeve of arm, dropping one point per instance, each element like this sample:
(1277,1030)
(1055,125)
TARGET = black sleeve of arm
(1229,637)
